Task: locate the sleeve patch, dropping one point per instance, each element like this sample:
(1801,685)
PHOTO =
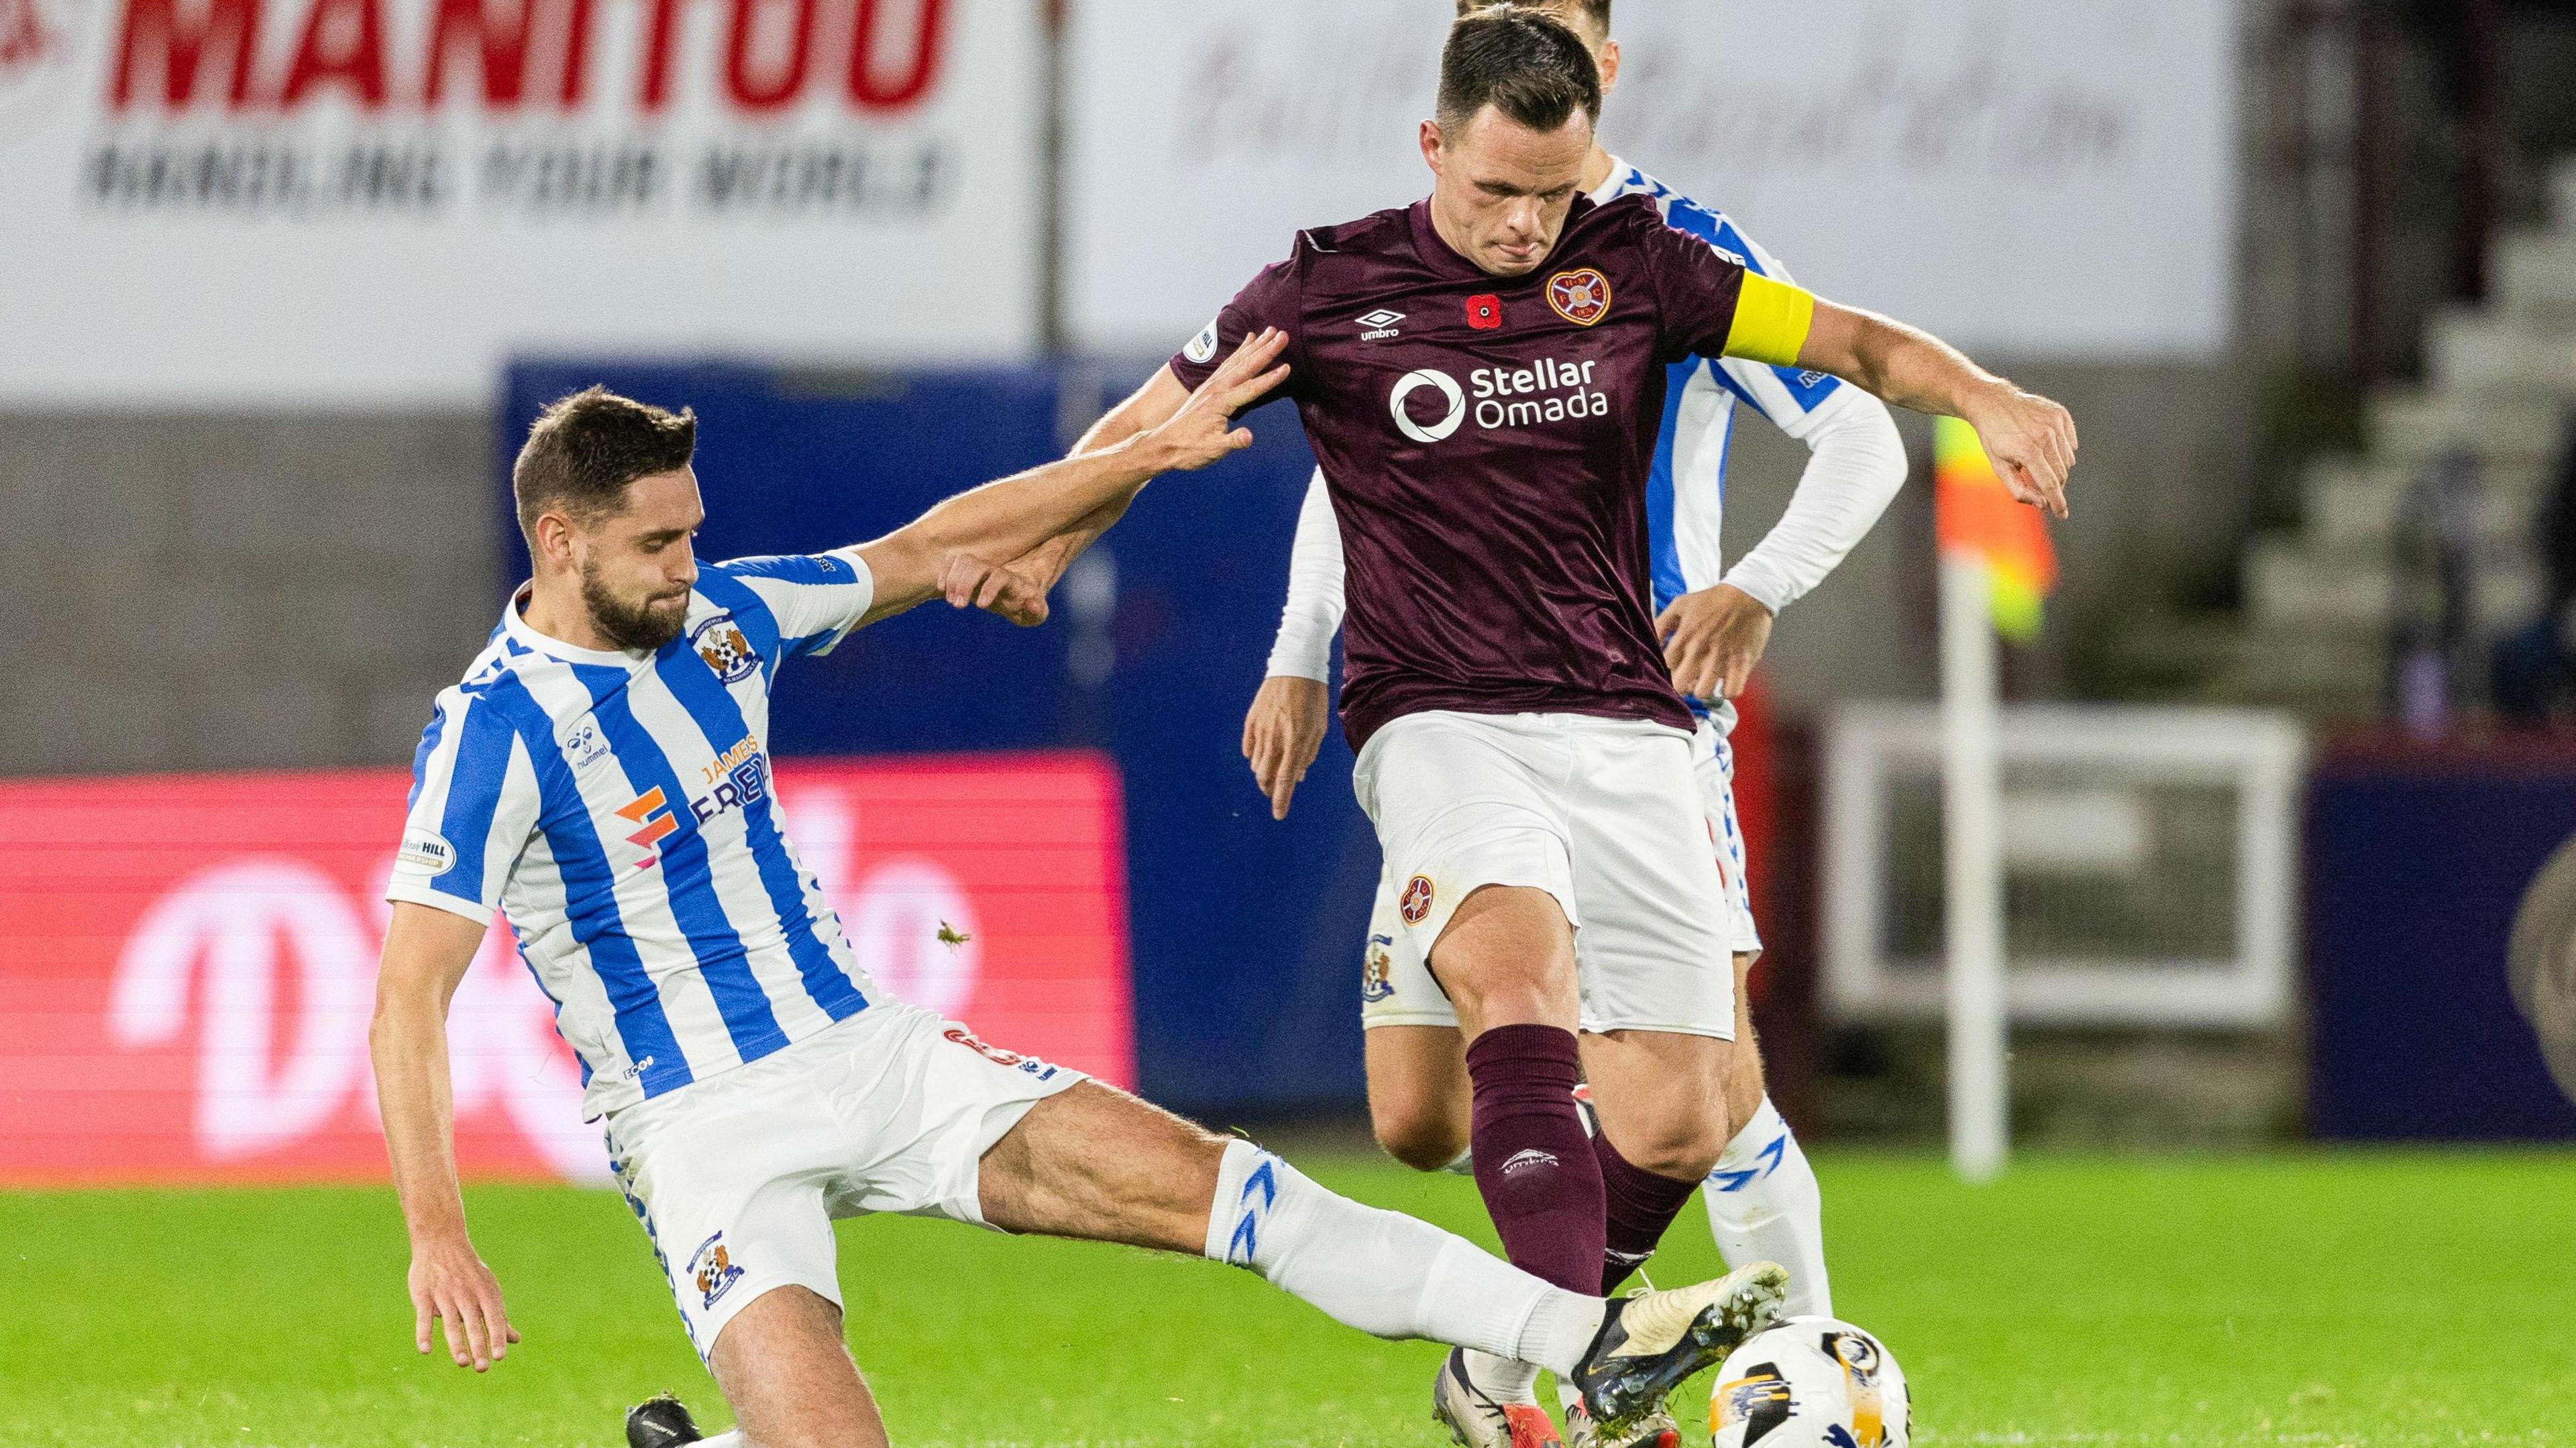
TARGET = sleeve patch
(1203,346)
(424,852)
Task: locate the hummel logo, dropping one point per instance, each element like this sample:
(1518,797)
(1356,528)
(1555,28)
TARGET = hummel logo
(1379,324)
(1529,1160)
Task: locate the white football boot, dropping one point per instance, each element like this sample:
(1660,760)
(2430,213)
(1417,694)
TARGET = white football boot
(1478,1419)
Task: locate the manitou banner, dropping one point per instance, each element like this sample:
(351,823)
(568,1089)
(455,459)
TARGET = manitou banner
(2034,177)
(374,202)
(187,964)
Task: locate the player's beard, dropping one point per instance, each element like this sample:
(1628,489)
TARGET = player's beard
(643,626)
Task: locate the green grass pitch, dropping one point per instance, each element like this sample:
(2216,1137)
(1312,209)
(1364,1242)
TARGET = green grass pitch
(2372,1299)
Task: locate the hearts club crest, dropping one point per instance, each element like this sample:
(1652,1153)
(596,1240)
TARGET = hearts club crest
(1581,296)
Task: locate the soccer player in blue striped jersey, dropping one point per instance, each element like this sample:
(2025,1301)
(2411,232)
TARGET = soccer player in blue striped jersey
(1762,1198)
(601,777)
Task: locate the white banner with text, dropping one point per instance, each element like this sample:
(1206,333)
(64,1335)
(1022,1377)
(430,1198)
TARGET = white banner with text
(374,202)
(2033,178)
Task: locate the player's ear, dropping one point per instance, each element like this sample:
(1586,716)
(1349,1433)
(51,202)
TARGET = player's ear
(1431,145)
(554,538)
(1609,67)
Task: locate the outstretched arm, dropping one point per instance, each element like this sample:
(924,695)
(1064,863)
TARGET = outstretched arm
(1719,309)
(2031,439)
(1007,519)
(1145,409)
(427,952)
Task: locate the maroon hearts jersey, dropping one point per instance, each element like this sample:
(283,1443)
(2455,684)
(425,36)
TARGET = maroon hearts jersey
(1487,441)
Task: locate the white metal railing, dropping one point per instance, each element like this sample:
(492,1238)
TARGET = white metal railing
(2150,864)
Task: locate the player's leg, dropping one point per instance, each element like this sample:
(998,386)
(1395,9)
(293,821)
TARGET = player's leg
(1467,809)
(785,1368)
(1421,1106)
(1763,1200)
(1659,1000)
(1660,1100)
(1418,1095)
(1416,1058)
(724,1179)
(1097,1164)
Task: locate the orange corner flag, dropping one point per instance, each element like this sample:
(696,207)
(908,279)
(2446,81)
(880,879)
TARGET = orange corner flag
(1975,514)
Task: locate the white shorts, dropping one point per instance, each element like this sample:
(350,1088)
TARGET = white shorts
(1630,825)
(737,1178)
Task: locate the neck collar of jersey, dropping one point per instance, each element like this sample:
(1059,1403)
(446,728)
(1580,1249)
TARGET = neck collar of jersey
(1608,190)
(515,624)
(1440,256)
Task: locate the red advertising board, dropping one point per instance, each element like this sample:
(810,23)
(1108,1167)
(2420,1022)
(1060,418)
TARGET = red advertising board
(187,963)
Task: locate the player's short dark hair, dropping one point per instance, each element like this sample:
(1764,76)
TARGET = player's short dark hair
(585,449)
(1596,11)
(1530,66)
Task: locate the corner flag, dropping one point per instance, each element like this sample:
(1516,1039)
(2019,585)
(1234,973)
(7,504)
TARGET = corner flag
(1976,515)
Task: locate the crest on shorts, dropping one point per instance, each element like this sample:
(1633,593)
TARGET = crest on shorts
(1581,296)
(1415,903)
(1377,969)
(712,1268)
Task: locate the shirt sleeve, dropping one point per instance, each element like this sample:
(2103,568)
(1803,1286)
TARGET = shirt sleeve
(812,599)
(1268,300)
(1857,465)
(1313,613)
(1713,307)
(474,803)
(1794,398)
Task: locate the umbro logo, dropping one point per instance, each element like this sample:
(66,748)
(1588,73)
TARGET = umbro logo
(1529,1160)
(1379,324)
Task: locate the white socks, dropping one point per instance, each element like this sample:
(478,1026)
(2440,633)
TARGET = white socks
(1386,1273)
(1764,1205)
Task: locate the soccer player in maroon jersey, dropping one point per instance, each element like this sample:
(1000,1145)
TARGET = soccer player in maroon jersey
(1482,377)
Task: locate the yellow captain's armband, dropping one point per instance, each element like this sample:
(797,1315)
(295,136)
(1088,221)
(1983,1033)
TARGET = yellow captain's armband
(1771,321)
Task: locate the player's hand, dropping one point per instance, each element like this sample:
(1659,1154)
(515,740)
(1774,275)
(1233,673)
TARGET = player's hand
(969,582)
(450,1283)
(1712,640)
(1281,734)
(2031,441)
(1203,430)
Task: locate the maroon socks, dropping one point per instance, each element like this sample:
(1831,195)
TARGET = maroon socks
(1539,1174)
(1641,1204)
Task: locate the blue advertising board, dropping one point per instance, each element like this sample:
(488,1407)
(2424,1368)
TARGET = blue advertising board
(2417,861)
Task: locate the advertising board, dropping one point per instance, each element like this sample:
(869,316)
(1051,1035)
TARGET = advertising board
(187,963)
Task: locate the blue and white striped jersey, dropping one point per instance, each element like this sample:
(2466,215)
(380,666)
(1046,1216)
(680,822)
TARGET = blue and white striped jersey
(616,808)
(1686,494)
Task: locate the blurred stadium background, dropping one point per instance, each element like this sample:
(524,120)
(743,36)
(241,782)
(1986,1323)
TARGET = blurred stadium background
(286,279)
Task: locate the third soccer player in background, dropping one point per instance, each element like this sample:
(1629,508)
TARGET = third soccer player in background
(1763,1202)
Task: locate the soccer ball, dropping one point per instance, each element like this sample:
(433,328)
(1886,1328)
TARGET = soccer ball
(1810,1382)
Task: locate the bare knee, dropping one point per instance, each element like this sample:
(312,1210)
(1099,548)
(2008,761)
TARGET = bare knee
(1423,1138)
(1681,1146)
(1418,1093)
(1662,1098)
